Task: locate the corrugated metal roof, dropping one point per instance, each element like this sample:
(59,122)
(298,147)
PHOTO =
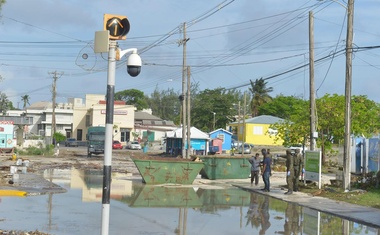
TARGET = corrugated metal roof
(263,119)
(41,105)
(220,129)
(145,116)
(194,133)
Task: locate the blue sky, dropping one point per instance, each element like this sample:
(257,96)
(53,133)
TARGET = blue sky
(230,42)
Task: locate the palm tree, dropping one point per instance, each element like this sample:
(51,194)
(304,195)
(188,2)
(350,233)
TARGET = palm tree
(260,95)
(25,100)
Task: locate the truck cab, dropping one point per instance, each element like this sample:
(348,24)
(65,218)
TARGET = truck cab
(95,140)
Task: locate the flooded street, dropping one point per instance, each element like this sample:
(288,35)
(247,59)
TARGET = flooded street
(142,209)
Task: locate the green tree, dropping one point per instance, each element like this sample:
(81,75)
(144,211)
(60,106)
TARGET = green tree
(165,104)
(283,106)
(330,121)
(133,97)
(260,95)
(5,104)
(208,102)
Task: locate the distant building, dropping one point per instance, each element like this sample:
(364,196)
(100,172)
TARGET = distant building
(74,117)
(152,128)
(225,136)
(199,142)
(256,130)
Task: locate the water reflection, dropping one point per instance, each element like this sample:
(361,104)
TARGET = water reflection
(137,208)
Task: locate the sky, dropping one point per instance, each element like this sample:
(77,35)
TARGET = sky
(230,42)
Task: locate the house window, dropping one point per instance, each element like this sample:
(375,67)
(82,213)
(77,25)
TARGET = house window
(88,123)
(257,130)
(220,136)
(125,134)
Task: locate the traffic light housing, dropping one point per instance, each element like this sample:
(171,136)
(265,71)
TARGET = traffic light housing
(117,25)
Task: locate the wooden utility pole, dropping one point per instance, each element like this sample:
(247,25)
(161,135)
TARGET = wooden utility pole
(188,114)
(56,75)
(348,87)
(184,40)
(244,110)
(238,130)
(312,87)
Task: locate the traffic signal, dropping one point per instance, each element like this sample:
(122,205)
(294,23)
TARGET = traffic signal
(117,25)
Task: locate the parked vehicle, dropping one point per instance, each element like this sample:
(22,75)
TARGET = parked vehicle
(95,140)
(71,142)
(247,149)
(301,147)
(117,145)
(134,145)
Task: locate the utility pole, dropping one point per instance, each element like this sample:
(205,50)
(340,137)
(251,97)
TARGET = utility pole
(188,114)
(238,130)
(183,99)
(312,87)
(56,75)
(244,110)
(348,87)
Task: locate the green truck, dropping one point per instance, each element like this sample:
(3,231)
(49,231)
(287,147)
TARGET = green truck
(95,140)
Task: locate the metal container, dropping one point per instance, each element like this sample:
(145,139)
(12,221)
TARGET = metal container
(225,168)
(167,170)
(173,197)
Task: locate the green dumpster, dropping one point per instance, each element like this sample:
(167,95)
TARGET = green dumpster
(223,198)
(173,197)
(225,168)
(168,170)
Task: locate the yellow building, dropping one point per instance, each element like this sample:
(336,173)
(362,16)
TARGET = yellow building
(93,113)
(256,130)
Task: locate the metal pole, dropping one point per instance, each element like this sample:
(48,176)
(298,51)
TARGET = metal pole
(108,138)
(348,87)
(213,126)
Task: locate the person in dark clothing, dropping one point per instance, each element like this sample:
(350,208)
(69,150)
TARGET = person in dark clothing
(269,155)
(266,171)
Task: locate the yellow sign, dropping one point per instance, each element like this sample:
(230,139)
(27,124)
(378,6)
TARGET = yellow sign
(117,25)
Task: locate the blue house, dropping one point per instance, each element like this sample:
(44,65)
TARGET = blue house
(225,136)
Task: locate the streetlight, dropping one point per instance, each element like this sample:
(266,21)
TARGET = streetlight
(115,28)
(134,68)
(214,121)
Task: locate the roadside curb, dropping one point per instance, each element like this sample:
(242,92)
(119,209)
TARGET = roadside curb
(361,214)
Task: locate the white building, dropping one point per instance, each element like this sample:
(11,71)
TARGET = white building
(74,117)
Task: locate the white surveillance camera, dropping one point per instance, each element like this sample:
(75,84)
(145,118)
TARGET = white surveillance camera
(134,65)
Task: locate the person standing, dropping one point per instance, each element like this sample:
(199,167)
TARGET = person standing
(269,155)
(266,171)
(255,168)
(289,170)
(298,166)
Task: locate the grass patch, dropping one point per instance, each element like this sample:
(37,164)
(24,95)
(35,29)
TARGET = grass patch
(368,197)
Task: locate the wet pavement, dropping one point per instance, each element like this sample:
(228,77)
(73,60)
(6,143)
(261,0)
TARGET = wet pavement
(361,214)
(71,204)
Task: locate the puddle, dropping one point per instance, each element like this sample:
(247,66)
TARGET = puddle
(142,209)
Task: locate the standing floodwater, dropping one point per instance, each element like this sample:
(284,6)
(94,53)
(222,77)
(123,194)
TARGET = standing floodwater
(142,209)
